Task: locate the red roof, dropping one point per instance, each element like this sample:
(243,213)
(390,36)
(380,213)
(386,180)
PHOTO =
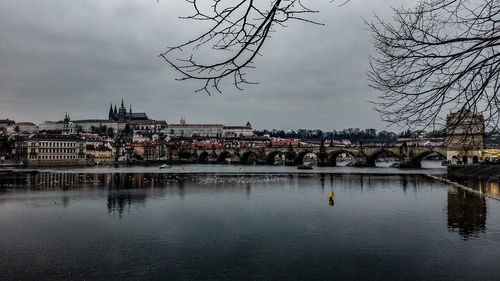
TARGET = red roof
(285,142)
(93,137)
(144,144)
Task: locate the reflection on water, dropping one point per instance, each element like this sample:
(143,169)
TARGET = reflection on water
(142,226)
(119,202)
(484,187)
(429,167)
(466,212)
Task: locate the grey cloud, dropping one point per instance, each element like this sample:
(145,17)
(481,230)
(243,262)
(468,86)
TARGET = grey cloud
(59,56)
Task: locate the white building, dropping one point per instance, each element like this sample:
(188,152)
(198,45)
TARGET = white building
(195,130)
(237,131)
(148,126)
(51,150)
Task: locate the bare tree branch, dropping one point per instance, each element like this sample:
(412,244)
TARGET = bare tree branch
(238,30)
(442,55)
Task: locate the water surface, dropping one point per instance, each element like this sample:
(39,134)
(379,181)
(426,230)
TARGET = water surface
(243,226)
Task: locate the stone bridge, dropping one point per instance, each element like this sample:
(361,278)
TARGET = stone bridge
(409,156)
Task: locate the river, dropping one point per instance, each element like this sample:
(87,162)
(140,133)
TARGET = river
(223,222)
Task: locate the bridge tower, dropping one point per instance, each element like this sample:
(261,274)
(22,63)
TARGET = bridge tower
(464,137)
(322,157)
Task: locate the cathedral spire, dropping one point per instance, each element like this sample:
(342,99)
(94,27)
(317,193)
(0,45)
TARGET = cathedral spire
(131,109)
(110,115)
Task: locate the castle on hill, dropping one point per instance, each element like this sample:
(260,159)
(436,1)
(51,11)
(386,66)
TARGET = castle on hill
(117,120)
(121,115)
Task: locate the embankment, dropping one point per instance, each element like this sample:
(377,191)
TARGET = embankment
(481,172)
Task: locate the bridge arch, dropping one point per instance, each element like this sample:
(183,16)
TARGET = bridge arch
(271,156)
(299,159)
(203,157)
(235,158)
(249,157)
(185,154)
(371,160)
(417,159)
(331,160)
(222,157)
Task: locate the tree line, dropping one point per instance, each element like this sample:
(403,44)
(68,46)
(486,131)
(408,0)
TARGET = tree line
(354,135)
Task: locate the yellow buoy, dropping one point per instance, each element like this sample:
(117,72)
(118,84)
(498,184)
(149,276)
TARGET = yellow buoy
(331,194)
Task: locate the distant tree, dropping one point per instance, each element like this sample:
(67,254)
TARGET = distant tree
(111,132)
(405,134)
(371,133)
(127,130)
(437,134)
(439,56)
(103,130)
(386,136)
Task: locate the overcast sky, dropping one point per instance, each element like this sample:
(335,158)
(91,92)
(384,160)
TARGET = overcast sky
(60,56)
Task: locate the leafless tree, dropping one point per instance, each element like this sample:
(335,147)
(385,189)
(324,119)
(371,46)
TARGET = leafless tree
(440,56)
(237,31)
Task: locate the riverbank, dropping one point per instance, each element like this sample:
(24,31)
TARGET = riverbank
(466,188)
(481,172)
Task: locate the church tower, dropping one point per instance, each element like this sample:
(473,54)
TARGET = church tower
(111,115)
(122,113)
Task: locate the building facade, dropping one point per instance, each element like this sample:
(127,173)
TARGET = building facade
(464,137)
(148,126)
(237,131)
(99,154)
(184,130)
(51,150)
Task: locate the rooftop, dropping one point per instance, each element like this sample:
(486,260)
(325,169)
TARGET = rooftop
(94,121)
(147,122)
(55,137)
(25,124)
(238,127)
(196,125)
